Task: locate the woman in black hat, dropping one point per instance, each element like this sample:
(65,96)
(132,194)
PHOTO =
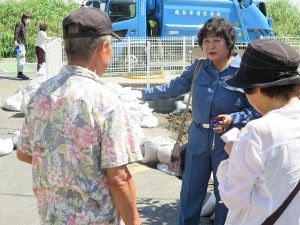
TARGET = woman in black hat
(264,163)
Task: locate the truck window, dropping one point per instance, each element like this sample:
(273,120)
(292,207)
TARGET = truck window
(99,4)
(121,11)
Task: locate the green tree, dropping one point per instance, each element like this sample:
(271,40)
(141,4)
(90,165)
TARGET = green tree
(286,17)
(50,11)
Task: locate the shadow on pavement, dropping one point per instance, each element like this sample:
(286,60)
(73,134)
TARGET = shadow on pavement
(155,212)
(10,78)
(18,115)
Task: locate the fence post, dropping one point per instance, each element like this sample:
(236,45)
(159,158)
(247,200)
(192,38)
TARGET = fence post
(128,55)
(193,41)
(148,64)
(184,53)
(54,60)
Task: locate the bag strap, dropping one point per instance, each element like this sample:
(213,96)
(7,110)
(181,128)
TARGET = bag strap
(275,215)
(196,72)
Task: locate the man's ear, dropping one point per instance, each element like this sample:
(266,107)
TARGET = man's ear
(102,49)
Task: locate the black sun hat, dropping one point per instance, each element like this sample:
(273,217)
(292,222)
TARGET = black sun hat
(92,23)
(267,63)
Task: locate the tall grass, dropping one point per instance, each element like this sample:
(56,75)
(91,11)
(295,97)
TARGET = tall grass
(49,11)
(286,17)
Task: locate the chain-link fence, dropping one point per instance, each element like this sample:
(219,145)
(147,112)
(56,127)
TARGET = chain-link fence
(144,62)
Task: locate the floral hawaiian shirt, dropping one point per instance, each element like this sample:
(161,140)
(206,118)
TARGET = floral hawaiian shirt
(74,128)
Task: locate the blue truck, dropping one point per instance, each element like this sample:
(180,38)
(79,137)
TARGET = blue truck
(141,19)
(170,18)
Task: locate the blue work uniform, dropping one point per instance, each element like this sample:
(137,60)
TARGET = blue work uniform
(211,97)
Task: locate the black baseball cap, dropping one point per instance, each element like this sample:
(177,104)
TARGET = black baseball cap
(92,23)
(267,63)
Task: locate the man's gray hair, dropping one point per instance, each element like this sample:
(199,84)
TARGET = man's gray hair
(82,48)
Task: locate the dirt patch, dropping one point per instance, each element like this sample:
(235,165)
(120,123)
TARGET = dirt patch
(173,122)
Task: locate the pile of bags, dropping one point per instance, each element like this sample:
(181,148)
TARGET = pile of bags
(157,150)
(141,115)
(18,100)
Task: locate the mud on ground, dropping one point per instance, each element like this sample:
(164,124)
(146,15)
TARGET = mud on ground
(173,122)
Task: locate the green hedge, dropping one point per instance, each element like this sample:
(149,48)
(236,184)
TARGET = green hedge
(286,17)
(49,11)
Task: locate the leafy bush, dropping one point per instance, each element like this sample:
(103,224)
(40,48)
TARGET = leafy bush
(286,17)
(51,12)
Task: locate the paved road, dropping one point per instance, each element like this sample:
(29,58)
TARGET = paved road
(157,192)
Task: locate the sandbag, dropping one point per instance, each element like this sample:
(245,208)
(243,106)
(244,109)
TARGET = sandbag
(164,153)
(15,138)
(209,205)
(6,146)
(180,107)
(149,121)
(163,168)
(151,146)
(138,131)
(150,149)
(13,102)
(186,98)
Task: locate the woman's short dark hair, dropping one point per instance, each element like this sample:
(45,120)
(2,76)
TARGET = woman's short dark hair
(280,91)
(219,27)
(43,26)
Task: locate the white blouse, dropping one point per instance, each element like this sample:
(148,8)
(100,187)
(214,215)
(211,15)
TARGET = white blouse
(263,168)
(41,40)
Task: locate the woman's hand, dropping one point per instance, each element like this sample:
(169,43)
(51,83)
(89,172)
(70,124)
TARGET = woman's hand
(224,122)
(141,100)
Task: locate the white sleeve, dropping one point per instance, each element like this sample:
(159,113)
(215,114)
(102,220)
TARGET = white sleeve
(238,174)
(44,36)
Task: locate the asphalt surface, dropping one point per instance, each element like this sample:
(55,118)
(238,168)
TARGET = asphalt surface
(157,192)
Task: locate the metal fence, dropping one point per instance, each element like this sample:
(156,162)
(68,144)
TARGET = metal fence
(144,62)
(54,60)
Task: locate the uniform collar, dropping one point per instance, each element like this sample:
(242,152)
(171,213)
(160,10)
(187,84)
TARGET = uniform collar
(234,63)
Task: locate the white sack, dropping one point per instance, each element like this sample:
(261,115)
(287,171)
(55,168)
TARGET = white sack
(13,102)
(180,107)
(139,133)
(163,168)
(149,121)
(186,98)
(151,146)
(15,137)
(6,146)
(209,206)
(145,109)
(164,153)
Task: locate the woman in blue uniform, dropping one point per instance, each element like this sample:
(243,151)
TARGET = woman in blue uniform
(211,97)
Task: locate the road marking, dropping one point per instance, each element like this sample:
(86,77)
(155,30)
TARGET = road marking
(4,70)
(12,67)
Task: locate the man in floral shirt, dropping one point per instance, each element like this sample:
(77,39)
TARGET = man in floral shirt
(77,134)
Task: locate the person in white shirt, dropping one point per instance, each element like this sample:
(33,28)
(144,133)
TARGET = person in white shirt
(40,45)
(264,163)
